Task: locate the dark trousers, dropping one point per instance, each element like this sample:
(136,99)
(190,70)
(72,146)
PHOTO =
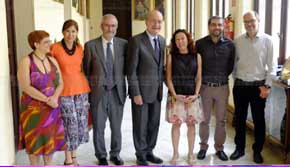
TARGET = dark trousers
(146,120)
(243,96)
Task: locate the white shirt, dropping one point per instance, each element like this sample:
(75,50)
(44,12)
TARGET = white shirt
(254,58)
(151,38)
(105,42)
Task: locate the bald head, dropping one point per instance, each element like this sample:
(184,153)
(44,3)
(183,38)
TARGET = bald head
(154,13)
(154,22)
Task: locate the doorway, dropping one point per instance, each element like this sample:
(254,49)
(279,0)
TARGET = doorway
(122,10)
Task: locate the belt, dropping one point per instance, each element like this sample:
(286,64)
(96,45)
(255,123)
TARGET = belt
(210,84)
(239,82)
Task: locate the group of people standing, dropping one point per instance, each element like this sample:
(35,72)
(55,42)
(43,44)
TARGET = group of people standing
(60,82)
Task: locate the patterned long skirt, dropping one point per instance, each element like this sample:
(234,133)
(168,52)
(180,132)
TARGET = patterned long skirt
(74,111)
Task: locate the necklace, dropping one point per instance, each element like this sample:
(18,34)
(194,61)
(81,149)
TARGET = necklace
(71,51)
(42,61)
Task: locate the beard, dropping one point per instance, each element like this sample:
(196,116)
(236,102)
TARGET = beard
(216,33)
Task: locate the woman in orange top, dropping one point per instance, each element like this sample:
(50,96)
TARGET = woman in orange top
(74,97)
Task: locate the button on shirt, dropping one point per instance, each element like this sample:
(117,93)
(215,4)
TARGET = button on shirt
(254,58)
(217,59)
(104,41)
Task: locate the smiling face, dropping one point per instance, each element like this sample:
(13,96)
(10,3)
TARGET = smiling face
(43,46)
(109,27)
(181,41)
(154,22)
(251,23)
(70,34)
(216,27)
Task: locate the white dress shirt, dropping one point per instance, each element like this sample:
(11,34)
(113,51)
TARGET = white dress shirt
(104,41)
(254,58)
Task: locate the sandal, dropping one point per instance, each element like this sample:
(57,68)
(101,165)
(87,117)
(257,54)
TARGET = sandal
(174,159)
(191,160)
(75,159)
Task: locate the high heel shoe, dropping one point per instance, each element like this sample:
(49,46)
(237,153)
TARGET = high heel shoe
(191,159)
(173,161)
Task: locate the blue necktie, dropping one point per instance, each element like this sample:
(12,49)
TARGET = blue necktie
(110,67)
(156,49)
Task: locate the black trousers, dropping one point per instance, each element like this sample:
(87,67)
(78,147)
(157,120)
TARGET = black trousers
(243,96)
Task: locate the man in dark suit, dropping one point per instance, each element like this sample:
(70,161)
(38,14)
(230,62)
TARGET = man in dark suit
(104,60)
(145,78)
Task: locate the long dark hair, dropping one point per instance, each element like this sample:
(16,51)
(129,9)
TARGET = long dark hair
(190,45)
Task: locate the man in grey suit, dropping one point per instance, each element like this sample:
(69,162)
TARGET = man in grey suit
(145,78)
(104,59)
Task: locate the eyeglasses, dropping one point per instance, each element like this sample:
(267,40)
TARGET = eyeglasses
(250,21)
(45,42)
(110,25)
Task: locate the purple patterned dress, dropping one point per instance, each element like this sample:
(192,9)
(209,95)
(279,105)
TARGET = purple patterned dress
(41,127)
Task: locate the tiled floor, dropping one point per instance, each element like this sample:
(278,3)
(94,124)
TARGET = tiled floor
(272,155)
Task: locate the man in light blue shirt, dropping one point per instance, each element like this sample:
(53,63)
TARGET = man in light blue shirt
(252,73)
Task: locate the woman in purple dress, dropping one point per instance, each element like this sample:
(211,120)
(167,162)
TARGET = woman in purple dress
(41,126)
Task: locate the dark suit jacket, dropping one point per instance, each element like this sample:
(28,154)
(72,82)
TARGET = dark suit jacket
(95,66)
(145,74)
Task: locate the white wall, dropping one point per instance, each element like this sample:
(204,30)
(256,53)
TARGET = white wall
(181,15)
(24,24)
(96,12)
(7,154)
(49,16)
(79,19)
(238,11)
(201,16)
(168,18)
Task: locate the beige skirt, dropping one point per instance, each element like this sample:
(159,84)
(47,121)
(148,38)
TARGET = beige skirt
(178,112)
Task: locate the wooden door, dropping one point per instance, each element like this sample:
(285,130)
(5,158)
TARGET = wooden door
(122,10)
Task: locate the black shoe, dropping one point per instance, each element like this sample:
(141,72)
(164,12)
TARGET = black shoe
(141,161)
(237,154)
(201,154)
(117,160)
(258,158)
(222,155)
(152,158)
(103,161)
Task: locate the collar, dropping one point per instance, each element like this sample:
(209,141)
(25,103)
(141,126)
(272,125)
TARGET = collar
(258,35)
(104,41)
(208,38)
(151,36)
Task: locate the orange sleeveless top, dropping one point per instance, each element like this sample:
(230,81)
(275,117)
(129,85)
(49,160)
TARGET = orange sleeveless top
(74,79)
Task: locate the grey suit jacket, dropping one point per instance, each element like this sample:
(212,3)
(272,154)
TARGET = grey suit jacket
(145,74)
(95,67)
